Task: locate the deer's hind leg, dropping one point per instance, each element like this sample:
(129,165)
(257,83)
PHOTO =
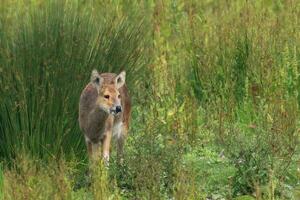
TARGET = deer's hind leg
(120,133)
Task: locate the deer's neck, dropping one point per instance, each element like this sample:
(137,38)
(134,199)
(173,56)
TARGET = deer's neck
(97,119)
(100,116)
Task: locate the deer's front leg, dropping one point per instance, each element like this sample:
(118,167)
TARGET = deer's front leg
(93,150)
(106,146)
(107,139)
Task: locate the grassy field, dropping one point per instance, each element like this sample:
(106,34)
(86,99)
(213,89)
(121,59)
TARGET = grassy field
(215,91)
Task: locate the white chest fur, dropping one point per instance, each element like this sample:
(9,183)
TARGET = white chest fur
(117,130)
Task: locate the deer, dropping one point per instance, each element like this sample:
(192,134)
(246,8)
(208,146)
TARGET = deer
(104,114)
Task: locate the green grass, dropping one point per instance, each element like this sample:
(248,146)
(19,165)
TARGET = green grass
(1,182)
(46,62)
(214,86)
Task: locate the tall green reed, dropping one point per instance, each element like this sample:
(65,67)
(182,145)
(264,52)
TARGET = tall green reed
(47,55)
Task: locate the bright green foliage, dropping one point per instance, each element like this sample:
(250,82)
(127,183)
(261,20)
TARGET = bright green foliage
(245,197)
(215,92)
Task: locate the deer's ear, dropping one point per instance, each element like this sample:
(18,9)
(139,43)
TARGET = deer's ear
(120,79)
(96,79)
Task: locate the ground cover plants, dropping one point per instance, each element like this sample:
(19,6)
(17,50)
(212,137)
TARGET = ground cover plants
(215,92)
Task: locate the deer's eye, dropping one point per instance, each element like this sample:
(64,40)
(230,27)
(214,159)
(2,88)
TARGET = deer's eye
(106,96)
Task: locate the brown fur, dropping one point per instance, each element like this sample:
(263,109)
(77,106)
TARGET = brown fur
(95,120)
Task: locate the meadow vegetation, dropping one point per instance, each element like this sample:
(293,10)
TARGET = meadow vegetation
(215,91)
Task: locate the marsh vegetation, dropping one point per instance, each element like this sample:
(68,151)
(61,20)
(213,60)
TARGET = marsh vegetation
(215,93)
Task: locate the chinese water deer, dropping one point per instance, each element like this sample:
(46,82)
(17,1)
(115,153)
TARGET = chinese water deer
(104,113)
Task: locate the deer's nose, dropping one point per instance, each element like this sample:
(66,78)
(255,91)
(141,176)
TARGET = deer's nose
(118,109)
